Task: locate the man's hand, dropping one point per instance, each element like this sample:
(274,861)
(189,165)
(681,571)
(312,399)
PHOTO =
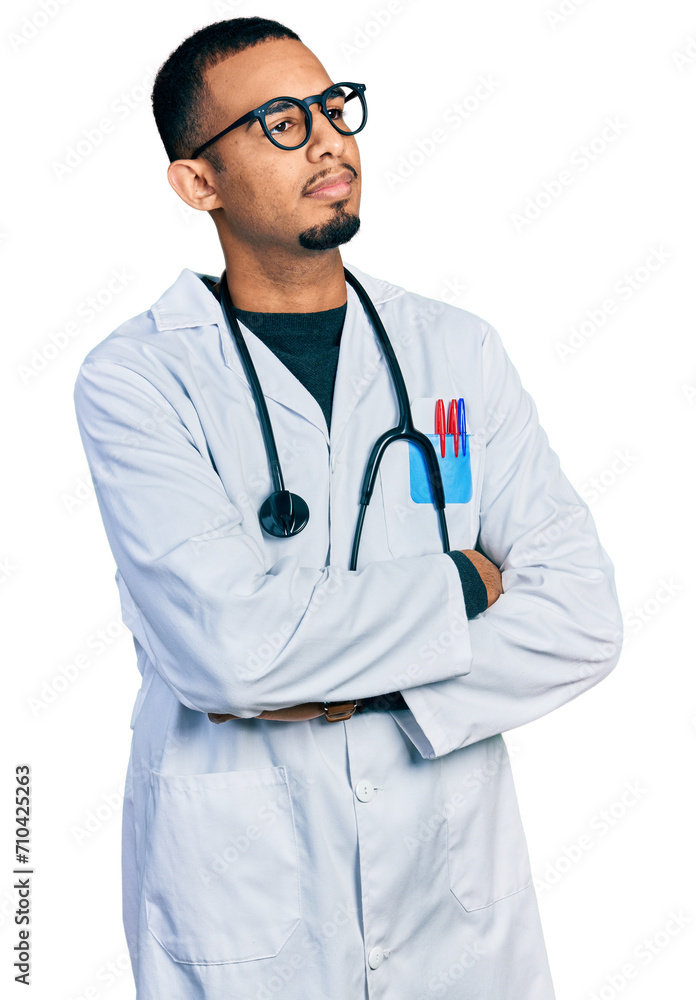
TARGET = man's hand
(294,713)
(489,573)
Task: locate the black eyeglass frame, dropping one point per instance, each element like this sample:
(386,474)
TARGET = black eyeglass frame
(260,113)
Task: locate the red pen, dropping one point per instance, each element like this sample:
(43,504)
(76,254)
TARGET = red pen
(440,424)
(453,425)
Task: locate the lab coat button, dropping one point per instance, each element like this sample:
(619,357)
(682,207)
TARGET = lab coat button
(364,791)
(375,957)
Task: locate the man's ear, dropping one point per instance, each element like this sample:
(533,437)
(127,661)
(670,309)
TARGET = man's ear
(191,181)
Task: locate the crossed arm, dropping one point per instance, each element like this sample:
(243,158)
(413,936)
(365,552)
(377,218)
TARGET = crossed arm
(489,573)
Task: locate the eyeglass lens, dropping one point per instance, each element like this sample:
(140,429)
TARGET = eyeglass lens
(287,122)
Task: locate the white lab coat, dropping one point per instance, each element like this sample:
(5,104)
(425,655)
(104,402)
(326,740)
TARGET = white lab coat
(383,856)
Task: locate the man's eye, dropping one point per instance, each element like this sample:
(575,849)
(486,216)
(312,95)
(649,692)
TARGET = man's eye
(338,113)
(286,122)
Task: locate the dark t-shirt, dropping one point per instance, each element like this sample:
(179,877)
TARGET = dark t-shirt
(306,343)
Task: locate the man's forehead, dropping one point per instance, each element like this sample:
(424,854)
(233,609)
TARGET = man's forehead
(276,68)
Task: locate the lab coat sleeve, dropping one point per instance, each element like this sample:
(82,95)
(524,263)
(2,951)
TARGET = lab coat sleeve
(226,634)
(556,630)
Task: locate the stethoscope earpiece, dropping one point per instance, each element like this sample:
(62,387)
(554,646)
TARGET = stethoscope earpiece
(283,514)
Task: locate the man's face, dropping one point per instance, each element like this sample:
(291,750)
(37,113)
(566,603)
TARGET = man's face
(264,190)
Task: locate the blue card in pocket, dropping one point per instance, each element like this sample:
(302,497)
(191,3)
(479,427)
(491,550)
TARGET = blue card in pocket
(455,471)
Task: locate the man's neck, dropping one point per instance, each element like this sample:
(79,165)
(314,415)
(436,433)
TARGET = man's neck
(311,287)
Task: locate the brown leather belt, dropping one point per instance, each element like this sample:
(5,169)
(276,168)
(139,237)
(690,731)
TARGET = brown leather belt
(335,711)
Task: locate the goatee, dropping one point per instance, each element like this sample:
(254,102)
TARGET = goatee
(341,227)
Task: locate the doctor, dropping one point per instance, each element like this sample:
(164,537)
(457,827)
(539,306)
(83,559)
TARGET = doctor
(319,802)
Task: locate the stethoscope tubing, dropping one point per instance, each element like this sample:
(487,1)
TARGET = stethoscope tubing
(404,430)
(257,391)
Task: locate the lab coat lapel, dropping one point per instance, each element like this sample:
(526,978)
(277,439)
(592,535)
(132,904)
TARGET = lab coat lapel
(275,378)
(189,304)
(359,361)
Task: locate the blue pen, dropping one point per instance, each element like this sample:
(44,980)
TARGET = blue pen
(461,420)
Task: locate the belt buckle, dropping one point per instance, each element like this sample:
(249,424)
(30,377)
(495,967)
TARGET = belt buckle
(335,711)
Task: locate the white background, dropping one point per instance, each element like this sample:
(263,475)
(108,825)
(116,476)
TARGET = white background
(618,406)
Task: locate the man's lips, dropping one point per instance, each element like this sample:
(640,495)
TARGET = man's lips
(336,186)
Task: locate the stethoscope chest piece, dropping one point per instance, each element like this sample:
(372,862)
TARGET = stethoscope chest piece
(283,514)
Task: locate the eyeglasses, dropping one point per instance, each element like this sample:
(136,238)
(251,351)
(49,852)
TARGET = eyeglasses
(287,121)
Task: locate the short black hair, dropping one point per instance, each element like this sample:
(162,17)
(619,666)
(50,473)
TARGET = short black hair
(181,99)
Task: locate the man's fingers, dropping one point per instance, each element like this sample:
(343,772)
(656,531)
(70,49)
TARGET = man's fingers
(294,713)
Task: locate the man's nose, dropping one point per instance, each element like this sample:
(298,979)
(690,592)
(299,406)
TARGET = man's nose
(323,131)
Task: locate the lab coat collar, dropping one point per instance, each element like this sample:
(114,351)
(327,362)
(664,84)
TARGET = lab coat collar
(188,304)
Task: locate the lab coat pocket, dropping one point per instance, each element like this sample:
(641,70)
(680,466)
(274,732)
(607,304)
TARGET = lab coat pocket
(455,470)
(486,846)
(412,525)
(221,880)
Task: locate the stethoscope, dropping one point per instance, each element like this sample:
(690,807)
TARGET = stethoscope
(283,513)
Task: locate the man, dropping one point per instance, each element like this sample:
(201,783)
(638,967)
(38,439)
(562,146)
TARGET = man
(319,801)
